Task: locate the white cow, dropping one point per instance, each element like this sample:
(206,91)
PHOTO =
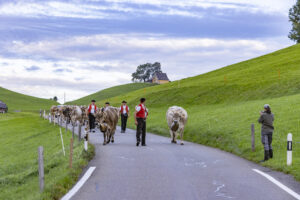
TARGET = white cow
(76,115)
(176,119)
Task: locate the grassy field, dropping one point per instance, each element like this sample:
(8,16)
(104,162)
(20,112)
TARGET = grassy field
(20,102)
(20,135)
(110,92)
(222,105)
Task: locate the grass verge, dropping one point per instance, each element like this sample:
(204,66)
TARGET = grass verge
(20,136)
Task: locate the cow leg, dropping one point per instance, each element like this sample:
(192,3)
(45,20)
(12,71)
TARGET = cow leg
(172,136)
(181,136)
(113,136)
(112,139)
(104,141)
(109,137)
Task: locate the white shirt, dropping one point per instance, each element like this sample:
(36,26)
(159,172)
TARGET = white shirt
(92,109)
(124,109)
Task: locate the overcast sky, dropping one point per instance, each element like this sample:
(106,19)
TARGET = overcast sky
(80,47)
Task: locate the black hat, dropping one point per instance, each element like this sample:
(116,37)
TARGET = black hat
(124,102)
(107,103)
(142,100)
(93,100)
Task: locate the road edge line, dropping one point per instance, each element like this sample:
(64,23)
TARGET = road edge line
(79,184)
(283,187)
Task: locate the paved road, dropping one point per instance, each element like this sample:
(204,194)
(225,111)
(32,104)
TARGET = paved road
(169,172)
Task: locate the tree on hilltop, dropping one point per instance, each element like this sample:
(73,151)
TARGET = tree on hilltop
(294,17)
(144,72)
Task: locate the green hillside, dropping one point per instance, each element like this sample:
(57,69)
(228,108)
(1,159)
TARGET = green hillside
(17,101)
(222,104)
(20,135)
(111,92)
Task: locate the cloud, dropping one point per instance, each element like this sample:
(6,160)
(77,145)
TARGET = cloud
(123,9)
(109,59)
(59,70)
(83,46)
(32,68)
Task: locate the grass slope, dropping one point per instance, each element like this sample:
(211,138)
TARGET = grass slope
(222,105)
(17,101)
(110,92)
(20,136)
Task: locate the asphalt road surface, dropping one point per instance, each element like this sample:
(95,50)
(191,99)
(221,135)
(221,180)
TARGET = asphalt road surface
(165,171)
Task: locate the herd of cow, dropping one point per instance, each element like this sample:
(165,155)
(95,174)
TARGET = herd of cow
(107,119)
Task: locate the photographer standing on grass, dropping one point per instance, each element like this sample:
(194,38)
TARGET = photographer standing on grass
(267,128)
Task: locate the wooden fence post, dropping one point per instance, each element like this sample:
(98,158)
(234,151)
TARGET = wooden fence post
(66,125)
(252,137)
(71,153)
(41,167)
(79,132)
(73,130)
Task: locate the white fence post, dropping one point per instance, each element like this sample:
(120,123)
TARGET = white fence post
(41,167)
(252,137)
(86,139)
(289,149)
(62,142)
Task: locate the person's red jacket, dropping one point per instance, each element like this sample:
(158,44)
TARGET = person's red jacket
(90,108)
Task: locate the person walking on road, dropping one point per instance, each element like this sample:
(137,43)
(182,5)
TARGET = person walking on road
(267,128)
(140,116)
(107,104)
(124,111)
(91,115)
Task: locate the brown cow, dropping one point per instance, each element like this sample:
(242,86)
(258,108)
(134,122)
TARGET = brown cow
(107,121)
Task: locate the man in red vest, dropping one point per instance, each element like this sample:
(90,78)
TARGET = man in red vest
(91,114)
(140,116)
(124,111)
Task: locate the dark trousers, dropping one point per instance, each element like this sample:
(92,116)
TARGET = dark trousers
(141,130)
(91,121)
(266,139)
(124,121)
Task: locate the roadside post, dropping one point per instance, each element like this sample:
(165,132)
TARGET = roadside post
(86,139)
(289,149)
(41,167)
(66,123)
(252,137)
(73,130)
(62,142)
(71,153)
(79,132)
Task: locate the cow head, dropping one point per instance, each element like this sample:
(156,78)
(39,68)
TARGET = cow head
(100,118)
(175,122)
(66,111)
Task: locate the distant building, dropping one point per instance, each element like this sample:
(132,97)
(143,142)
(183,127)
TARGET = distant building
(160,78)
(3,107)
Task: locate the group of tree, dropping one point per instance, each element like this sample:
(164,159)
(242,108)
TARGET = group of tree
(145,72)
(294,17)
(54,98)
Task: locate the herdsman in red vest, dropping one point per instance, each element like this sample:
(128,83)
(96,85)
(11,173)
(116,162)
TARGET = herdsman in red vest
(91,114)
(140,116)
(124,111)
